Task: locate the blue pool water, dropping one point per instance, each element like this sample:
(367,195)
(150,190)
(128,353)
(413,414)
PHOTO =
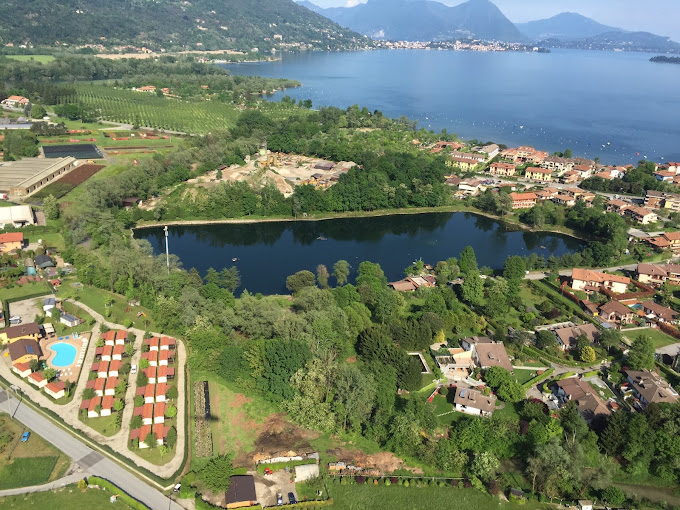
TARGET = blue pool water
(66,354)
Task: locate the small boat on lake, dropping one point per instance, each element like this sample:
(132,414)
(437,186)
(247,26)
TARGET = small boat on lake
(321,238)
(235,259)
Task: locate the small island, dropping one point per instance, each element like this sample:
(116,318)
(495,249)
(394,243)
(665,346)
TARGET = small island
(665,60)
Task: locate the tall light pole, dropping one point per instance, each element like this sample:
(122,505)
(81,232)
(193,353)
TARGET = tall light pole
(167,249)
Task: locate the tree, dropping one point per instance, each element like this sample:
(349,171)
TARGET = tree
(143,364)
(55,313)
(49,374)
(151,440)
(641,354)
(118,405)
(497,376)
(163,451)
(587,354)
(341,272)
(468,260)
(88,394)
(130,350)
(51,207)
(300,280)
(215,475)
(610,339)
(171,411)
(322,276)
(613,495)
(504,204)
(138,400)
(484,465)
(171,440)
(172,393)
(473,288)
(510,392)
(545,339)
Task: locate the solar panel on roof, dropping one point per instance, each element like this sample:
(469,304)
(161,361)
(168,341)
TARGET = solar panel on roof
(29,349)
(463,392)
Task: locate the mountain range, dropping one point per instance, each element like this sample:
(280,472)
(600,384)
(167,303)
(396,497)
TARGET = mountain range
(428,20)
(172,24)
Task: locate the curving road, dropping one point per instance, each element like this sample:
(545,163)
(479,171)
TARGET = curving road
(89,460)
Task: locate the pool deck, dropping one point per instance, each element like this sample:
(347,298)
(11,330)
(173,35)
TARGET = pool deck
(72,371)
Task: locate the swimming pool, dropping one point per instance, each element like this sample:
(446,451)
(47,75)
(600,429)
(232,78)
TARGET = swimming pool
(66,354)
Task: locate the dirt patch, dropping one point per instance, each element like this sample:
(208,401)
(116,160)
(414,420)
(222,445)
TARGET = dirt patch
(239,400)
(381,463)
(280,437)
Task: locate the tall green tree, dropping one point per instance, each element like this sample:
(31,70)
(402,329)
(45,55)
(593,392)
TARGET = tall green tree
(341,272)
(641,353)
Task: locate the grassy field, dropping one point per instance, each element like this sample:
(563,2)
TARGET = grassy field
(659,338)
(68,498)
(43,59)
(379,497)
(97,299)
(31,463)
(105,425)
(21,291)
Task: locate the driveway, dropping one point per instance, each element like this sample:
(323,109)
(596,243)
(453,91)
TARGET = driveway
(88,459)
(266,487)
(28,308)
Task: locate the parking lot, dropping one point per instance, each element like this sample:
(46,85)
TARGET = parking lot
(267,486)
(27,309)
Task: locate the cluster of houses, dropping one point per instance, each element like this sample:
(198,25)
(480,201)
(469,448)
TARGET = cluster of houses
(627,209)
(158,351)
(109,360)
(23,349)
(15,101)
(458,363)
(566,197)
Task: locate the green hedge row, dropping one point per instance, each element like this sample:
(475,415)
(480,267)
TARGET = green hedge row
(549,357)
(537,379)
(556,293)
(114,489)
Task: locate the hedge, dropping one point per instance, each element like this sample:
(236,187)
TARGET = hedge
(537,379)
(592,373)
(114,489)
(282,465)
(670,373)
(572,306)
(540,354)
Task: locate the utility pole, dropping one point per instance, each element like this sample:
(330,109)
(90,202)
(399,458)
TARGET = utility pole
(167,249)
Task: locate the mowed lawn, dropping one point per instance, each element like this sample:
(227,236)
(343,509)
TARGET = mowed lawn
(31,463)
(380,497)
(28,290)
(68,498)
(659,338)
(42,59)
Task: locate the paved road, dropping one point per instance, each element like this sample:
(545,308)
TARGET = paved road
(88,459)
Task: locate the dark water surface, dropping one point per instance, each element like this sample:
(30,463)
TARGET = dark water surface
(600,104)
(269,252)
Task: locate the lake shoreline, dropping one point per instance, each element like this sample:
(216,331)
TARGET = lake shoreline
(362,214)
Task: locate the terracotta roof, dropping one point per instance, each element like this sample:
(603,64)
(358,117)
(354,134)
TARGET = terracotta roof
(161,389)
(651,270)
(36,376)
(518,197)
(11,237)
(22,367)
(107,402)
(587,275)
(55,387)
(159,410)
(149,390)
(147,411)
(616,307)
(111,383)
(536,170)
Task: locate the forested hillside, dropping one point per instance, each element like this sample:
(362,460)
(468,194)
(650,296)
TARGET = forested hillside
(171,24)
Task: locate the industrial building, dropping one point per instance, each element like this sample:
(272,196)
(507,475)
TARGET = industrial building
(17,216)
(23,177)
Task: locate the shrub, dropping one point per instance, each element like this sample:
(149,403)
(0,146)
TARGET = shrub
(443,391)
(360,480)
(394,479)
(406,484)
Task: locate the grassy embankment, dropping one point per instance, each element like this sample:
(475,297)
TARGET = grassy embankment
(67,498)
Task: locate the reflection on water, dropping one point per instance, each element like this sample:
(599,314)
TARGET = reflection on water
(268,252)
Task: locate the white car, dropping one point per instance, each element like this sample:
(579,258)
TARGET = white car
(15,318)
(133,369)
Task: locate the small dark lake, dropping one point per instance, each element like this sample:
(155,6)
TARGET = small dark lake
(269,252)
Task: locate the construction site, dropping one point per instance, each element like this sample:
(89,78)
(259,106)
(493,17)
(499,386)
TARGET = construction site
(284,170)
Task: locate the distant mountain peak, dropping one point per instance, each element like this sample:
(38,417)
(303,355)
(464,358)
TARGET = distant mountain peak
(564,26)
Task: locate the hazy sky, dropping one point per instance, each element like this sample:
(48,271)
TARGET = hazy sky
(656,16)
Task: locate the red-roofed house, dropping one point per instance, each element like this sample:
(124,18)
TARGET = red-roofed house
(110,388)
(147,414)
(152,357)
(165,357)
(23,370)
(107,352)
(11,241)
(103,369)
(149,392)
(145,430)
(107,405)
(118,352)
(159,413)
(165,374)
(151,374)
(37,379)
(16,101)
(161,432)
(92,411)
(587,280)
(523,200)
(56,389)
(152,343)
(161,389)
(114,368)
(97,385)
(167,343)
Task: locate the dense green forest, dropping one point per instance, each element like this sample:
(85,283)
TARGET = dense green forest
(172,24)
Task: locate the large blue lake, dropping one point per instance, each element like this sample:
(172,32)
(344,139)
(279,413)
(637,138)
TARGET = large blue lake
(582,100)
(269,252)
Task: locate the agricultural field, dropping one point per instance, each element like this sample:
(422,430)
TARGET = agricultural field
(31,463)
(42,59)
(68,181)
(148,110)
